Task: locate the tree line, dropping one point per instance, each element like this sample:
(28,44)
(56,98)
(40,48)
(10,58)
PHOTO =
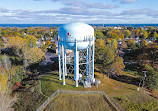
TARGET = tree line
(18,50)
(143,53)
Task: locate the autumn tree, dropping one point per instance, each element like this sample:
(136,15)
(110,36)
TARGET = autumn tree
(6,74)
(155,34)
(48,43)
(117,66)
(112,34)
(112,43)
(34,55)
(103,54)
(17,42)
(156,41)
(98,34)
(151,77)
(30,40)
(115,34)
(25,50)
(126,33)
(131,43)
(137,31)
(55,33)
(143,43)
(145,34)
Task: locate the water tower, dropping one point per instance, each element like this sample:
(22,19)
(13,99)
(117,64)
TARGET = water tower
(79,38)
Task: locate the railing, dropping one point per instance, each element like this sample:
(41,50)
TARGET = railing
(111,103)
(85,39)
(47,101)
(81,92)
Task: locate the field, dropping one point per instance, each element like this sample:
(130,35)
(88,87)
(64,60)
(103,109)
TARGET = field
(69,102)
(123,93)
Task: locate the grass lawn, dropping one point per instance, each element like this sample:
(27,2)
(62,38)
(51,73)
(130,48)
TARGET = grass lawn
(124,94)
(69,102)
(50,84)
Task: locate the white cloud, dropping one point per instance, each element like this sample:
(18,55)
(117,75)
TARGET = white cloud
(140,12)
(80,11)
(3,10)
(126,1)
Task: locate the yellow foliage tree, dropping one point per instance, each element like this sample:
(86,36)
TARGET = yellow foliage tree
(3,79)
(100,43)
(143,43)
(34,54)
(48,42)
(137,31)
(17,42)
(6,72)
(30,40)
(114,42)
(117,66)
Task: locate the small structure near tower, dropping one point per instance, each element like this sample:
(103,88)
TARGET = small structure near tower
(78,37)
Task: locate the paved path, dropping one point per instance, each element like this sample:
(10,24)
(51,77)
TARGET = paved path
(50,58)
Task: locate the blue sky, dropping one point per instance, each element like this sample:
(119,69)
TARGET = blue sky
(88,11)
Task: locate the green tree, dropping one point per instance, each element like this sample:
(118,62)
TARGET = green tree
(115,34)
(98,34)
(155,34)
(151,77)
(117,66)
(112,43)
(143,43)
(126,33)
(104,55)
(156,41)
(112,34)
(131,43)
(145,34)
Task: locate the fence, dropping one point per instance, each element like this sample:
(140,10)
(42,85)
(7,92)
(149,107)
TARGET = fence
(113,105)
(47,101)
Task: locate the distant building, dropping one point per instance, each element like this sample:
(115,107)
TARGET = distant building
(119,28)
(150,40)
(39,43)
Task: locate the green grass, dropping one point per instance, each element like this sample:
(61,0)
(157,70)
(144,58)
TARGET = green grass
(50,84)
(137,102)
(69,102)
(124,94)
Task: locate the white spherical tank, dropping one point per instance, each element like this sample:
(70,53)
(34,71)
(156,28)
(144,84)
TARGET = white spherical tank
(81,33)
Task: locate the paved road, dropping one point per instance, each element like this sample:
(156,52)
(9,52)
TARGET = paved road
(50,58)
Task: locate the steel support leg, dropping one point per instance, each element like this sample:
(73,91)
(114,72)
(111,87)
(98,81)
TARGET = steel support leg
(63,67)
(65,62)
(93,61)
(59,61)
(76,64)
(87,62)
